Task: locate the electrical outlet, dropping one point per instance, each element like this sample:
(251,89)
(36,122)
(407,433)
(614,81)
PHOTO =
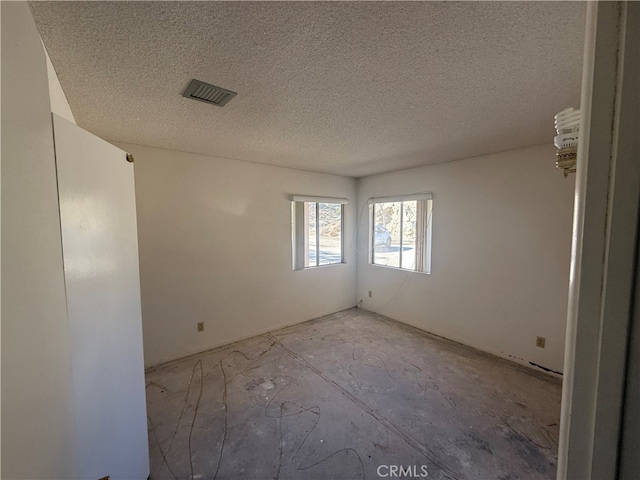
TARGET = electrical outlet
(540,342)
(200,326)
(370,294)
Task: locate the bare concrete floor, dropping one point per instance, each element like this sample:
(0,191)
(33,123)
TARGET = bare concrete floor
(350,396)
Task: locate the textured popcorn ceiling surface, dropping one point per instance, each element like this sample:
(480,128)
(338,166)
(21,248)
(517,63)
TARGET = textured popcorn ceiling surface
(350,88)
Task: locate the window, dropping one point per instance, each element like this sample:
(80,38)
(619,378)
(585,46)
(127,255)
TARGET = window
(400,232)
(317,228)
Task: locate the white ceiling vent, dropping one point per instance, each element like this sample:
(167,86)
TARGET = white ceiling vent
(208,93)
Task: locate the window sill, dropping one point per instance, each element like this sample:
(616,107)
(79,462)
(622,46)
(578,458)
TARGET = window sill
(319,266)
(398,269)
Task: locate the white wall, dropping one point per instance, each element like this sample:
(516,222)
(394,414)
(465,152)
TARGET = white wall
(59,104)
(37,404)
(501,254)
(215,246)
(100,244)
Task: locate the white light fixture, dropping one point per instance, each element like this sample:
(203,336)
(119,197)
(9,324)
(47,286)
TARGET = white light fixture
(567,124)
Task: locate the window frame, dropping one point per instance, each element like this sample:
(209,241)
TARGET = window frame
(424,252)
(300,230)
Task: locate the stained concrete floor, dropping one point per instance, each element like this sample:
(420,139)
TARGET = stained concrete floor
(350,396)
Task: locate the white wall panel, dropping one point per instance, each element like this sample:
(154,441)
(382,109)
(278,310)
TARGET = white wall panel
(37,402)
(59,103)
(500,254)
(215,247)
(100,244)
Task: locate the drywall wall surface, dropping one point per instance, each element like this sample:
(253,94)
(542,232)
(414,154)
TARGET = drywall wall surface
(215,247)
(500,259)
(100,243)
(37,404)
(59,104)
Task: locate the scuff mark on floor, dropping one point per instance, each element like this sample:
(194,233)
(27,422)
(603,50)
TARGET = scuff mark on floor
(342,395)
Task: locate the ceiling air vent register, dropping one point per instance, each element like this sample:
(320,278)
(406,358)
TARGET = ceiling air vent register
(205,92)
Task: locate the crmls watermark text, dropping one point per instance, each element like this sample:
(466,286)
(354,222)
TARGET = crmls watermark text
(400,471)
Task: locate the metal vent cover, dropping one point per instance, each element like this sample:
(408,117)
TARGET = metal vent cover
(205,92)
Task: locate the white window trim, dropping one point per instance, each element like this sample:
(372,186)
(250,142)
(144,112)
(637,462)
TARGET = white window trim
(425,250)
(304,198)
(300,247)
(402,198)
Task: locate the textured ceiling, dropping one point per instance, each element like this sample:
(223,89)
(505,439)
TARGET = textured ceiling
(351,88)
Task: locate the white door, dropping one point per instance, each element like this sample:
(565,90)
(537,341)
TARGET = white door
(100,248)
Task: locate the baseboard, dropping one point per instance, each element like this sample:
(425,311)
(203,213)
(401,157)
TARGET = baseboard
(154,365)
(531,366)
